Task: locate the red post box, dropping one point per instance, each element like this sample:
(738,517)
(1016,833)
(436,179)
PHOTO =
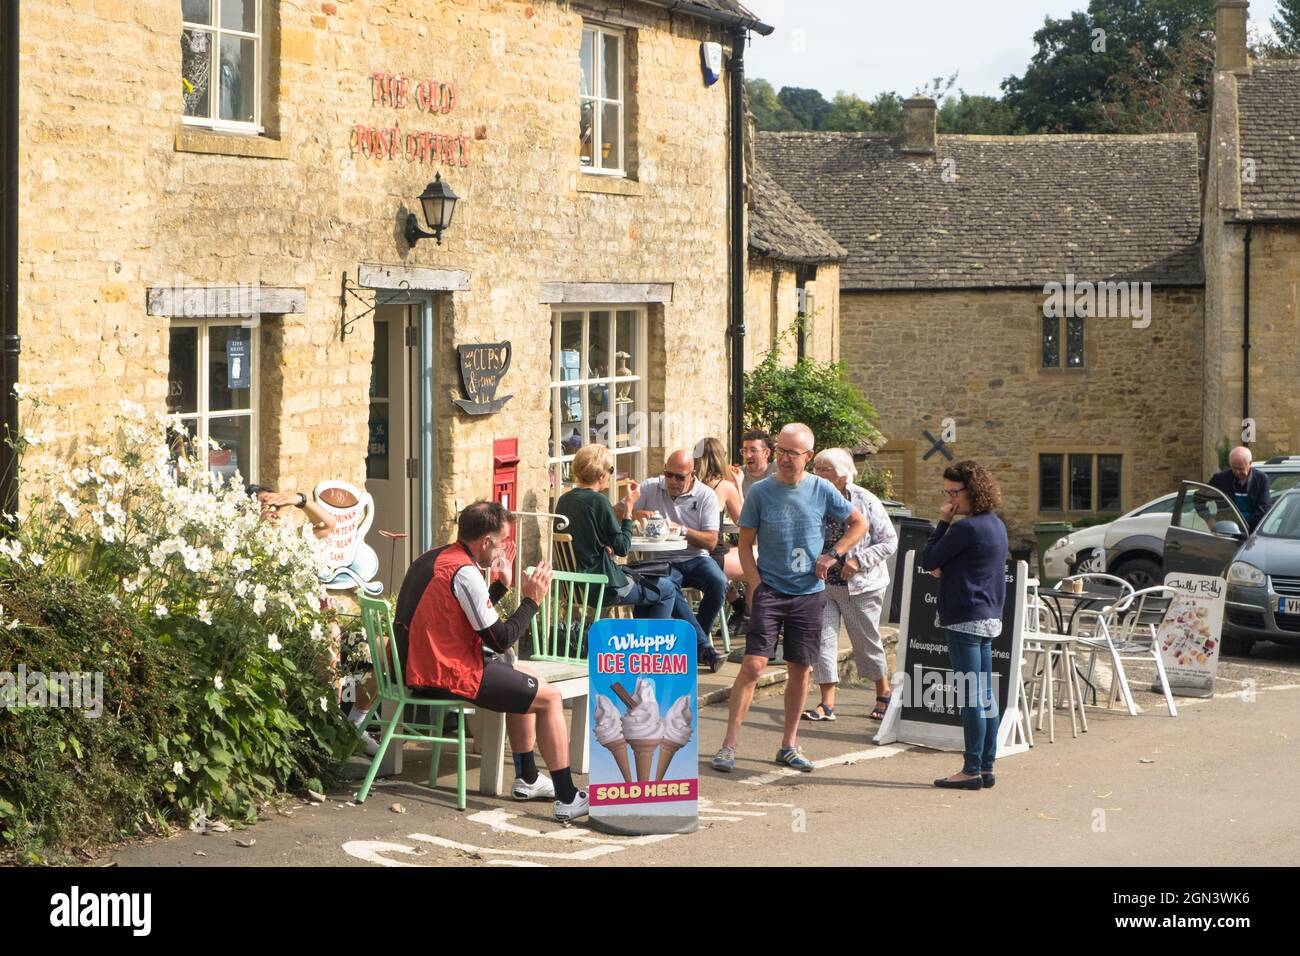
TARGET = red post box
(505,474)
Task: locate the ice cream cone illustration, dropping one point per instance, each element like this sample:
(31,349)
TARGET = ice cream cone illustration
(642,727)
(609,734)
(677,733)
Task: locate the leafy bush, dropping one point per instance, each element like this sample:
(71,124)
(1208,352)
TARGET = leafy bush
(815,393)
(878,481)
(221,611)
(1092,520)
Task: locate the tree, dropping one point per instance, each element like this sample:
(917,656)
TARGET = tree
(768,111)
(978,115)
(1069,78)
(1145,98)
(807,106)
(1287,26)
(848,114)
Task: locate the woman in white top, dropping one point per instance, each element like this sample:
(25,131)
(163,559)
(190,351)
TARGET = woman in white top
(712,468)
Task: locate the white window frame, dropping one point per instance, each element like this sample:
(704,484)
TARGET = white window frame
(598,110)
(202,415)
(213,119)
(630,458)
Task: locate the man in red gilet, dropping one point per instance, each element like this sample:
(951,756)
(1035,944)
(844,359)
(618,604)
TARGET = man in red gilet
(449,637)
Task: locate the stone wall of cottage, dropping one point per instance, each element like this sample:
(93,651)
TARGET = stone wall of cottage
(975,357)
(771,307)
(119,198)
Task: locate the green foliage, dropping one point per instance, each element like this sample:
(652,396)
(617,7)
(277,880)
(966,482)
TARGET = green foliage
(1092,520)
(1223,449)
(978,116)
(769,112)
(815,393)
(1286,26)
(878,481)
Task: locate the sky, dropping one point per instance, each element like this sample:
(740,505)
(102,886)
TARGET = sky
(870,46)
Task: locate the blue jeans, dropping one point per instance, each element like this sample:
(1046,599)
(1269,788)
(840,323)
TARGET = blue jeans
(972,664)
(669,603)
(702,573)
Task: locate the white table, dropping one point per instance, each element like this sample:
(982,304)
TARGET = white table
(644,545)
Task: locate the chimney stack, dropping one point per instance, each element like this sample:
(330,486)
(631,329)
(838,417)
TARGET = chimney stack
(1230,19)
(920,125)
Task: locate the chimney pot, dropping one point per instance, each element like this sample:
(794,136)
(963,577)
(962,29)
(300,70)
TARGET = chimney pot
(1230,19)
(920,125)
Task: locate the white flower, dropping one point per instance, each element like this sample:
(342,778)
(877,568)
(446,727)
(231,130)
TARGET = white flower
(259,607)
(69,505)
(160,610)
(114,511)
(13,625)
(36,559)
(273,643)
(107,534)
(32,438)
(242,565)
(324,705)
(21,390)
(97,517)
(204,612)
(131,409)
(218,683)
(317,632)
(110,467)
(130,587)
(178,768)
(259,592)
(241,587)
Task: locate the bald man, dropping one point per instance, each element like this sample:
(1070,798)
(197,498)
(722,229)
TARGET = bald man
(1245,486)
(693,507)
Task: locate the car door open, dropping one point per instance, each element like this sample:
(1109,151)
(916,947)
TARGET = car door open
(1206,532)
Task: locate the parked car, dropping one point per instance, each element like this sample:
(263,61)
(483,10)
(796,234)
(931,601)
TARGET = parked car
(1135,552)
(1209,536)
(1083,550)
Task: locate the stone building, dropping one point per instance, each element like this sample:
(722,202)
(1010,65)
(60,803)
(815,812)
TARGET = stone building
(1252,229)
(213,183)
(954,246)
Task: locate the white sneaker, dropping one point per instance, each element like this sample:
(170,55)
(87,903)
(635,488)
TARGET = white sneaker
(371,743)
(541,788)
(564,812)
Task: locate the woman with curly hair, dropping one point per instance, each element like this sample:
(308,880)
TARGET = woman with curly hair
(969,558)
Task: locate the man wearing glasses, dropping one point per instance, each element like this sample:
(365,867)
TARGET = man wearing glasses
(786,583)
(693,507)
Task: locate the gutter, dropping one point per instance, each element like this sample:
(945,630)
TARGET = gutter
(11,344)
(734,20)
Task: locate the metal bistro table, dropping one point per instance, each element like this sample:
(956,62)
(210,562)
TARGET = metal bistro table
(642,545)
(1094,600)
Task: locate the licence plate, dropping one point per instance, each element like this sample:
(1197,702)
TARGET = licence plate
(1288,605)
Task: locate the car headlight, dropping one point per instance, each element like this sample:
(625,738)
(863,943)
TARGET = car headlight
(1245,575)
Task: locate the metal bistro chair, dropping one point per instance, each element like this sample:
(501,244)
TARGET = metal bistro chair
(377,620)
(694,596)
(1044,651)
(1126,631)
(563,558)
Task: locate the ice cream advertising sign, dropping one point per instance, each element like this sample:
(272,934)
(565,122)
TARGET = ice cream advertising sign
(1188,637)
(644,727)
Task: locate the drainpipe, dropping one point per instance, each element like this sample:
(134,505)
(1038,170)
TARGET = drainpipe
(11,345)
(739,244)
(1245,339)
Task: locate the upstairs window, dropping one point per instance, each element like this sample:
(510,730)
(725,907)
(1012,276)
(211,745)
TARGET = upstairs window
(221,63)
(602,143)
(1053,352)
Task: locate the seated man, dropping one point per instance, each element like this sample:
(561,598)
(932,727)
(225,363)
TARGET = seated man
(449,635)
(692,506)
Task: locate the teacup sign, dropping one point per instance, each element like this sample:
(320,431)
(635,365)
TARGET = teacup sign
(352,562)
(482,367)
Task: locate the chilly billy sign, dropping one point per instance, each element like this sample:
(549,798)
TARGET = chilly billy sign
(481,369)
(415,146)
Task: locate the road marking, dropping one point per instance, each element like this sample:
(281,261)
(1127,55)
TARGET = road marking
(591,853)
(1187,701)
(499,820)
(875,753)
(372,852)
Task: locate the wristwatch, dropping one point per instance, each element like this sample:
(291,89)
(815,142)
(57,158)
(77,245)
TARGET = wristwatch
(302,500)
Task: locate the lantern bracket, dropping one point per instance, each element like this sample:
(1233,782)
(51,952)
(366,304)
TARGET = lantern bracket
(354,290)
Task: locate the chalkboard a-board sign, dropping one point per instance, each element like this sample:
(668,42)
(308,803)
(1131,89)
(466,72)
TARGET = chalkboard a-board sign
(924,708)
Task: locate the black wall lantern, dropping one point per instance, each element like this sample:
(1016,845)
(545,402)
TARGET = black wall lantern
(439,205)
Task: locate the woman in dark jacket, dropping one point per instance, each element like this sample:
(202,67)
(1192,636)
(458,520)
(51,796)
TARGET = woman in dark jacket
(969,558)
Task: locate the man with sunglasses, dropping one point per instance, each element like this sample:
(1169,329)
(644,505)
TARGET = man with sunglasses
(692,506)
(784,516)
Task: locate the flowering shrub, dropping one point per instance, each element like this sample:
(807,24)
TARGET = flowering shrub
(185,554)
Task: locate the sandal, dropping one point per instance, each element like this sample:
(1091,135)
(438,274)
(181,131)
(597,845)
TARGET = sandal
(822,712)
(882,705)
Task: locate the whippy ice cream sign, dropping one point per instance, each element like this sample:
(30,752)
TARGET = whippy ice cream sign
(1189,635)
(644,726)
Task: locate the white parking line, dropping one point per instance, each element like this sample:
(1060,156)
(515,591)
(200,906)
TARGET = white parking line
(875,753)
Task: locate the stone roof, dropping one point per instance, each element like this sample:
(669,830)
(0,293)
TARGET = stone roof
(1268,104)
(1019,211)
(779,228)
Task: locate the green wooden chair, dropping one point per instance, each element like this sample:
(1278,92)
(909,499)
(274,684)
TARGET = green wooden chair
(377,620)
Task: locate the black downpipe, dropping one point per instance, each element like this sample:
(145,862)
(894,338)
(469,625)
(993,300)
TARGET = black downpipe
(12,346)
(1245,341)
(739,245)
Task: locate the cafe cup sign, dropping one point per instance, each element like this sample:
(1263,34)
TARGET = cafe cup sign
(481,369)
(424,96)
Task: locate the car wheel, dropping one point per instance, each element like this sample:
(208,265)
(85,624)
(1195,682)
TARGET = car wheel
(1087,562)
(1235,646)
(1141,573)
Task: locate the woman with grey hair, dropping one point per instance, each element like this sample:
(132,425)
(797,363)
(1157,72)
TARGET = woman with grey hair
(855,590)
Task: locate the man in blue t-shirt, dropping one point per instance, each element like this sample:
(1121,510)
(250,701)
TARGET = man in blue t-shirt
(783,515)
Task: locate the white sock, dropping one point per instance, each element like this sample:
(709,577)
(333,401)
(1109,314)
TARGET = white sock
(357,714)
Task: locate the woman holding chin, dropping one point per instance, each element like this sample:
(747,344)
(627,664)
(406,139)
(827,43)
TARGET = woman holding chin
(969,558)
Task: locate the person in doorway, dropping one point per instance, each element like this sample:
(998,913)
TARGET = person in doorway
(784,516)
(1245,486)
(692,506)
(855,591)
(969,558)
(450,638)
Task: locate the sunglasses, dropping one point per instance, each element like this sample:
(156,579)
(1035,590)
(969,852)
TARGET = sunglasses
(679,475)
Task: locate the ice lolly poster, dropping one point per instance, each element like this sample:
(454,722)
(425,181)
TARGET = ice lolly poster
(644,724)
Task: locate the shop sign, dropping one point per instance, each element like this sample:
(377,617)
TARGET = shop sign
(429,147)
(482,367)
(352,563)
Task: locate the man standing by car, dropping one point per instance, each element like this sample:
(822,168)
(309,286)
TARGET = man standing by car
(1245,486)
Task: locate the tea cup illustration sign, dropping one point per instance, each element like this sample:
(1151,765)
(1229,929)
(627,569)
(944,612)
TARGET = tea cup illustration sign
(352,562)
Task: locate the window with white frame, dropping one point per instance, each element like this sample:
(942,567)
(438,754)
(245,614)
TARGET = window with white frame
(221,63)
(598,391)
(604,83)
(213,385)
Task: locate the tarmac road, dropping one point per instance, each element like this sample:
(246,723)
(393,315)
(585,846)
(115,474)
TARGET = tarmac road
(1214,787)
